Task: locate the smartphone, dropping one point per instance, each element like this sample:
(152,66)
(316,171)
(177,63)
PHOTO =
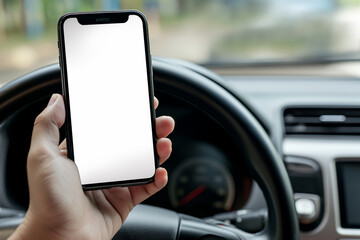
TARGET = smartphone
(108,91)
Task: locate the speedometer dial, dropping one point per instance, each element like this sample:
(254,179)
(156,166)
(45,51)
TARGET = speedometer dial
(201,187)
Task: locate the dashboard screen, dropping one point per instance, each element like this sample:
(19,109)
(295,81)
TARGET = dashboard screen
(348,174)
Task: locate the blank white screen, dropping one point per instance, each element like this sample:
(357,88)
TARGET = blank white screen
(109,100)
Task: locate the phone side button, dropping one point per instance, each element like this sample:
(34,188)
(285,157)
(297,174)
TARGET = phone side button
(60,63)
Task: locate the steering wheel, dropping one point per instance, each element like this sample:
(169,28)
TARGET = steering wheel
(22,99)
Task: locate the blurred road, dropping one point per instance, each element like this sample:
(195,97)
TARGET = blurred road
(187,40)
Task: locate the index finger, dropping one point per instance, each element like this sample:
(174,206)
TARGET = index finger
(156,102)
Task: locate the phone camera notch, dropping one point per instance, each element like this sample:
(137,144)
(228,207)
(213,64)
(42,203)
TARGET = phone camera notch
(102,19)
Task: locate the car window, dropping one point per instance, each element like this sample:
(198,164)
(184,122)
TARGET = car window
(227,31)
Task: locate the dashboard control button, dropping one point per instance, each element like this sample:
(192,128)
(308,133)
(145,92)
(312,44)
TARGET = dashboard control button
(307,207)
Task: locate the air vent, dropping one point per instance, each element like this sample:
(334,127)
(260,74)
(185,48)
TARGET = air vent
(324,121)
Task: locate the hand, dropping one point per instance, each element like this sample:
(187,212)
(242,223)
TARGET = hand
(59,208)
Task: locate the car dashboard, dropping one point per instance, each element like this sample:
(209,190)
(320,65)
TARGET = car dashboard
(312,115)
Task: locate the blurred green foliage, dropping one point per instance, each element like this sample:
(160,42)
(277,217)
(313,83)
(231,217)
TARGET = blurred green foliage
(349,3)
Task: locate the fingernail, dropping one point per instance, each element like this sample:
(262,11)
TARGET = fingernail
(52,100)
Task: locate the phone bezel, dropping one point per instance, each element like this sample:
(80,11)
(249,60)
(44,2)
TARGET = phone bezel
(114,17)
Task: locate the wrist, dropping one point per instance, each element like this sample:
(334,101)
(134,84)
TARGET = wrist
(25,231)
(30,229)
(33,228)
(17,234)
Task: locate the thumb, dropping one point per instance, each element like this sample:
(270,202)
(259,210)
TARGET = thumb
(45,137)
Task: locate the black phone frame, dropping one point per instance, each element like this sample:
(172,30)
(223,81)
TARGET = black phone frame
(107,17)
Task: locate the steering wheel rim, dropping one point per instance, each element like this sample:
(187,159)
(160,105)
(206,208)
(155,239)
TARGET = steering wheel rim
(211,97)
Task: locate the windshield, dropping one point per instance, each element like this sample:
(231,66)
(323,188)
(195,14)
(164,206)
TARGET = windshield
(213,31)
